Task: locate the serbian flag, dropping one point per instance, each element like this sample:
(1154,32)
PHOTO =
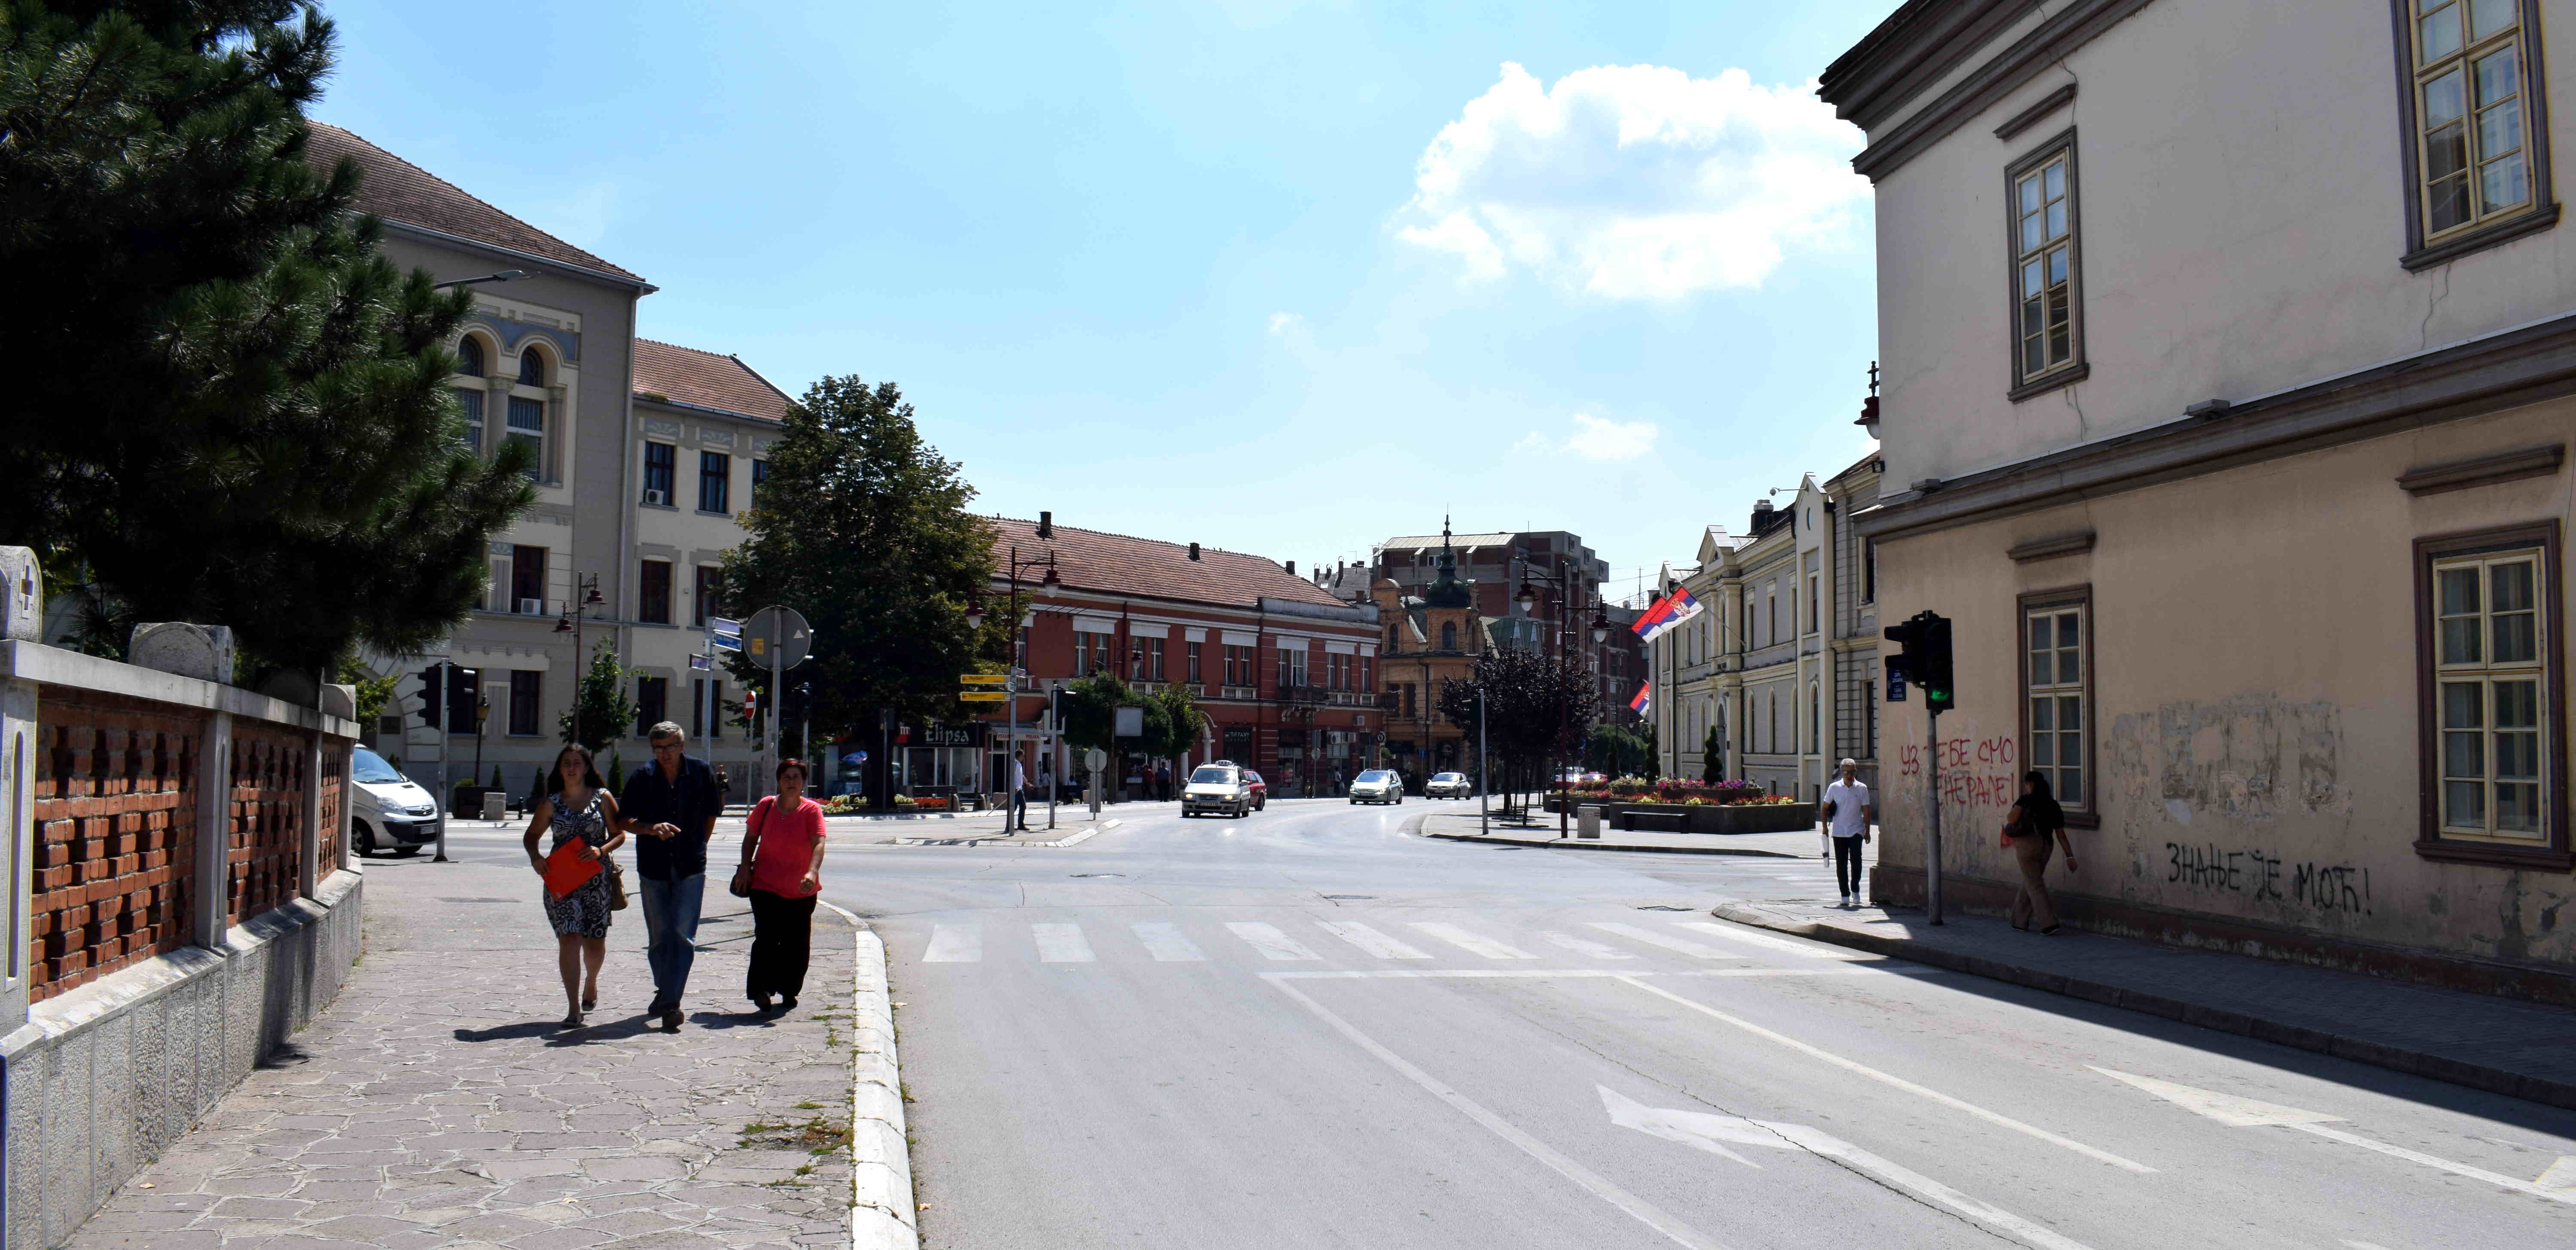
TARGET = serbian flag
(1667,614)
(1638,704)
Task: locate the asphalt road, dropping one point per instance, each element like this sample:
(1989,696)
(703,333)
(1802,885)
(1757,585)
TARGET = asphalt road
(1310,1028)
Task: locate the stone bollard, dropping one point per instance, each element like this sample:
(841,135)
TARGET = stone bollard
(204,652)
(22,596)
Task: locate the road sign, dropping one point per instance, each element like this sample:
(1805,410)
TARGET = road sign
(776,629)
(719,625)
(1129,722)
(1094,759)
(980,679)
(981,696)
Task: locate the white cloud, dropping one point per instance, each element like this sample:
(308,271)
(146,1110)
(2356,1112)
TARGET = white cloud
(1285,323)
(1638,182)
(1597,439)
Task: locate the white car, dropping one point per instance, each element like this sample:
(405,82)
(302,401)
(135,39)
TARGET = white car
(1448,786)
(387,812)
(1377,785)
(1217,789)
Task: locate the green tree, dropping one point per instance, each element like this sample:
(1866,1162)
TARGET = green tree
(1537,707)
(1178,726)
(374,693)
(1712,762)
(876,548)
(600,710)
(229,406)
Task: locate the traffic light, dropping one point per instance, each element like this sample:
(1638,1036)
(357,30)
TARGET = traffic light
(1923,659)
(433,694)
(461,699)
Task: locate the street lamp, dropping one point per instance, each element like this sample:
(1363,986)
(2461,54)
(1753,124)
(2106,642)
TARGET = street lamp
(570,623)
(505,275)
(1017,654)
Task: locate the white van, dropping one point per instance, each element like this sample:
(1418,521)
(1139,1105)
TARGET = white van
(387,812)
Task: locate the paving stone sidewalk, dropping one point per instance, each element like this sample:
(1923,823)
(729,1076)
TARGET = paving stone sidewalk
(435,1103)
(2502,1045)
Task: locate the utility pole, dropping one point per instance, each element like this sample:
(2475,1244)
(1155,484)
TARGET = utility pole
(1484,820)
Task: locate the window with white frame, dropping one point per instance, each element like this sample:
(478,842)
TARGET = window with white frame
(2044,260)
(2057,695)
(471,393)
(2491,676)
(2473,154)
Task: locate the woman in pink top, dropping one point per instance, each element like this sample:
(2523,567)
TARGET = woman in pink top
(782,854)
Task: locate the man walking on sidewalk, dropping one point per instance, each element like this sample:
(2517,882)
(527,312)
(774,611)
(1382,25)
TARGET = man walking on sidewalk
(1015,812)
(1848,813)
(670,807)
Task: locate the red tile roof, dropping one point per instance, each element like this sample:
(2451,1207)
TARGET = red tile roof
(705,380)
(1118,564)
(397,190)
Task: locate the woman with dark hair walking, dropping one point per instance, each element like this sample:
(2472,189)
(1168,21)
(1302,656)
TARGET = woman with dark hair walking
(2037,828)
(782,874)
(583,819)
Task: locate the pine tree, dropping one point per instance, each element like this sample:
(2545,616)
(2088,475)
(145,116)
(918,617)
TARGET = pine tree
(227,405)
(873,544)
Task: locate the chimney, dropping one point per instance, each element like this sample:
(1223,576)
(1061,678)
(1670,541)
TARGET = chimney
(1292,568)
(1194,551)
(1046,525)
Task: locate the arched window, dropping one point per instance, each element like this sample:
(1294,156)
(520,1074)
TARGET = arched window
(1771,737)
(532,368)
(469,357)
(1815,719)
(1448,635)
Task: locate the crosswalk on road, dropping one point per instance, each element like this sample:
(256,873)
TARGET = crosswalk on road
(1164,941)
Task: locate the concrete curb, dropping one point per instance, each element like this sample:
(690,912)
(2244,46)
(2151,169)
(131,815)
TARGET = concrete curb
(2476,1076)
(1572,844)
(882,1212)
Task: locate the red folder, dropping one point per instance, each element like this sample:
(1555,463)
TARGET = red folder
(566,870)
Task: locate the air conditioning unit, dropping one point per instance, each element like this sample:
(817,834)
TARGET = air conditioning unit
(532,607)
(658,498)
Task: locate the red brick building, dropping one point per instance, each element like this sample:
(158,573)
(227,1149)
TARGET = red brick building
(1284,671)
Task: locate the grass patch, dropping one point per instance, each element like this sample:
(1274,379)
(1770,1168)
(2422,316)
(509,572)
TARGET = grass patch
(817,1136)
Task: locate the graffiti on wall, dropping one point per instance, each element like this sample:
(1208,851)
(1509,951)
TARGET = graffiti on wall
(2253,757)
(2262,876)
(1975,772)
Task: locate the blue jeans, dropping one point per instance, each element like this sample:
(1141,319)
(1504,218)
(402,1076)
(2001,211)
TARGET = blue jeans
(671,932)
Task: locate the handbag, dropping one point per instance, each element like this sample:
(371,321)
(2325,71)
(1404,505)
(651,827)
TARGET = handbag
(616,887)
(740,886)
(2012,829)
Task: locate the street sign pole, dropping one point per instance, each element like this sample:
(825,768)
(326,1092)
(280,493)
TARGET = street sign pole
(1932,821)
(446,782)
(1011,801)
(1484,820)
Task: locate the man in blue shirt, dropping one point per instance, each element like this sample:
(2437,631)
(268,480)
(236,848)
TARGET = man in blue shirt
(670,807)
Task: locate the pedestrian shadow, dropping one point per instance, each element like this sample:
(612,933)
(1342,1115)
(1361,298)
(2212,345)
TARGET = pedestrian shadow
(616,1031)
(753,1019)
(505,1032)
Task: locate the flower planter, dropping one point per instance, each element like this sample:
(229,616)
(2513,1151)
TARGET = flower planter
(1702,817)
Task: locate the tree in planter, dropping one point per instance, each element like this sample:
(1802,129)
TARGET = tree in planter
(878,553)
(1711,766)
(282,453)
(1536,707)
(600,710)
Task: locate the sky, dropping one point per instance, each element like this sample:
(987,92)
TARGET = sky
(1276,277)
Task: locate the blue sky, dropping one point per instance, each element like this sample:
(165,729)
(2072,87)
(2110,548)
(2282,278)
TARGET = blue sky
(1278,277)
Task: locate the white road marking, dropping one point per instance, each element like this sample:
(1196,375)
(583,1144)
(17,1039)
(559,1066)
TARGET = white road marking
(1268,940)
(1861,1069)
(1061,943)
(1596,972)
(1584,946)
(1652,938)
(1473,944)
(1371,941)
(1706,1131)
(1768,942)
(2236,1112)
(1601,1187)
(955,944)
(2560,1175)
(2363,1245)
(1166,942)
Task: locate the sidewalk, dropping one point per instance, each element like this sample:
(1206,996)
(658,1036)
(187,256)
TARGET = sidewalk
(2501,1045)
(1456,826)
(435,1103)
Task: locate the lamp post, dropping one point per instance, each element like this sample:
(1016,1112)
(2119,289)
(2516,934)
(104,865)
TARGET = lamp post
(482,713)
(1563,582)
(503,276)
(1015,655)
(587,591)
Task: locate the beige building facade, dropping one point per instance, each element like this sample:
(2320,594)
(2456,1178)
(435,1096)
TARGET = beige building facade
(2246,493)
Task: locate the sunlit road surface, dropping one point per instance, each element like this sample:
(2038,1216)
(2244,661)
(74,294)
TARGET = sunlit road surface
(1309,1028)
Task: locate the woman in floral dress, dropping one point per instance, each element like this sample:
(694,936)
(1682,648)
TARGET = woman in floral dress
(577,807)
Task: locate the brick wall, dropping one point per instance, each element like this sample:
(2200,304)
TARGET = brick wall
(269,774)
(115,814)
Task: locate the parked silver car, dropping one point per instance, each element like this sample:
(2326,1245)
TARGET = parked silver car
(1448,786)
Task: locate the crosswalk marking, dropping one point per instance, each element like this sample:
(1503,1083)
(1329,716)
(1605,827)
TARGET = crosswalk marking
(1585,947)
(1768,942)
(1061,943)
(1268,940)
(1456,936)
(955,944)
(1166,942)
(1371,941)
(1667,941)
